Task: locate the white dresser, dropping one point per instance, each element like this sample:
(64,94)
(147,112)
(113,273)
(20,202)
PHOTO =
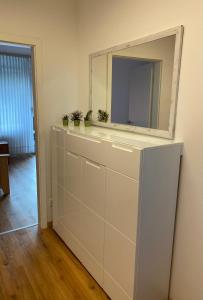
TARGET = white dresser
(114,204)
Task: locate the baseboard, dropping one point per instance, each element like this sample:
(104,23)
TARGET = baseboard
(50,224)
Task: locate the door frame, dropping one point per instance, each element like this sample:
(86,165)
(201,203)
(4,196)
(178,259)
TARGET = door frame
(37,78)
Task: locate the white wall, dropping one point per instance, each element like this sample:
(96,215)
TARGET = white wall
(53,23)
(109,22)
(98,84)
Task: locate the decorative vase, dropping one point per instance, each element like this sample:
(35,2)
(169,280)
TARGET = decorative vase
(88,123)
(76,122)
(65,122)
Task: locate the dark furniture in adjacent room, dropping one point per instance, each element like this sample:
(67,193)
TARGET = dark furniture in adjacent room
(4,173)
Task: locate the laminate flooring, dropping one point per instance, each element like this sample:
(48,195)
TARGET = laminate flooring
(19,209)
(36,265)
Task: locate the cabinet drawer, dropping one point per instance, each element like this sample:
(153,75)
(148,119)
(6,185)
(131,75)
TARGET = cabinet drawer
(87,147)
(123,159)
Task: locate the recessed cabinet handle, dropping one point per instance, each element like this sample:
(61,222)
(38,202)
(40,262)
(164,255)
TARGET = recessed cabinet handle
(92,164)
(87,139)
(56,129)
(72,155)
(121,148)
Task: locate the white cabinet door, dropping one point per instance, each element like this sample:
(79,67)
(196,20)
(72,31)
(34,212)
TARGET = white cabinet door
(93,190)
(60,141)
(54,171)
(121,207)
(85,225)
(60,165)
(58,207)
(113,289)
(73,172)
(119,261)
(81,220)
(72,211)
(92,233)
(88,229)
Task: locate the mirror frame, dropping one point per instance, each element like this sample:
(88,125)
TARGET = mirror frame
(169,134)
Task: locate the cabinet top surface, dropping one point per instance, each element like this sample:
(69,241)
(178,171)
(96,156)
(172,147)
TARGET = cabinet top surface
(117,136)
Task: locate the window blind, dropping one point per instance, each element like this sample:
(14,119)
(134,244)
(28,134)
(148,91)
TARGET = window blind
(16,103)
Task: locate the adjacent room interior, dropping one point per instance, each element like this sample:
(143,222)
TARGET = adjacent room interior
(18,193)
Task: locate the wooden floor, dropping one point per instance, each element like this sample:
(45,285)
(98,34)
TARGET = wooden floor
(19,209)
(37,265)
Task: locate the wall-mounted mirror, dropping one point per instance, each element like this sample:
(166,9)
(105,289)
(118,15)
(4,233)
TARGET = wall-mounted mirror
(137,84)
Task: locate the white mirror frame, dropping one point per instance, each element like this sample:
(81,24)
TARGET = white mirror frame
(169,134)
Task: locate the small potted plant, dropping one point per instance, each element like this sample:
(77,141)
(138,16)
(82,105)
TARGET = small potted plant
(65,120)
(76,117)
(102,116)
(88,119)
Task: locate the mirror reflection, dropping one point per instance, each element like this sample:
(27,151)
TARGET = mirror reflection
(135,91)
(134,84)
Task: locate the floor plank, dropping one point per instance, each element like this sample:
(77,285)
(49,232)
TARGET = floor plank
(36,265)
(19,209)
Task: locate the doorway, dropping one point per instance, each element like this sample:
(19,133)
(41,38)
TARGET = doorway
(18,176)
(135,91)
